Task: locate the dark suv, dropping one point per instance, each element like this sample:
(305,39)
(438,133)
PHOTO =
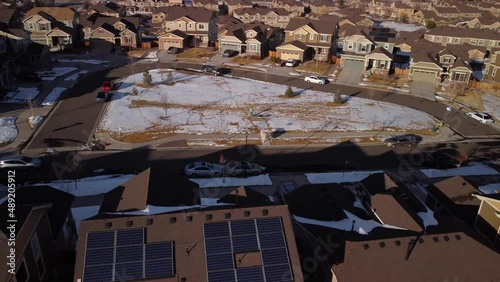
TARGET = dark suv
(210,69)
(229,53)
(174,50)
(408,140)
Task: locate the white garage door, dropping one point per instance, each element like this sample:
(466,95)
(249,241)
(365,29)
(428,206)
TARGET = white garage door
(226,46)
(424,76)
(354,64)
(285,55)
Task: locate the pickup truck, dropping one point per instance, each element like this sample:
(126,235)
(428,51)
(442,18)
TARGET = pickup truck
(481,117)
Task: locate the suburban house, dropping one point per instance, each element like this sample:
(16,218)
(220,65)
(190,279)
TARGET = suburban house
(133,7)
(307,39)
(37,57)
(236,4)
(53,26)
(492,68)
(322,6)
(212,5)
(199,23)
(351,16)
(457,36)
(290,5)
(122,31)
(488,220)
(109,9)
(275,17)
(251,243)
(493,7)
(486,21)
(254,39)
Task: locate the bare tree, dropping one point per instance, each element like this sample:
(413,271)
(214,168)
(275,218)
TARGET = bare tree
(75,165)
(32,106)
(164,103)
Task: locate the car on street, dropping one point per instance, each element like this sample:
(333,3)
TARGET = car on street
(481,117)
(19,162)
(107,86)
(174,50)
(408,140)
(445,158)
(291,63)
(315,79)
(210,69)
(28,76)
(203,169)
(229,53)
(239,168)
(103,97)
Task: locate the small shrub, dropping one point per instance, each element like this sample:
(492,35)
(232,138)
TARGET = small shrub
(337,98)
(146,78)
(170,78)
(430,24)
(289,92)
(134,92)
(273,60)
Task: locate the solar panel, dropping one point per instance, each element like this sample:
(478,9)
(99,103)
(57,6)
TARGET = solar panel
(243,227)
(100,239)
(128,271)
(99,256)
(245,243)
(161,250)
(98,273)
(222,276)
(280,273)
(218,245)
(275,256)
(130,237)
(159,268)
(129,253)
(250,274)
(271,240)
(216,229)
(269,225)
(220,262)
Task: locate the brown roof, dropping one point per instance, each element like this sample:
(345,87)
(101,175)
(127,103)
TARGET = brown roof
(244,196)
(389,209)
(382,50)
(197,14)
(447,10)
(261,10)
(6,15)
(130,196)
(425,51)
(442,257)
(378,183)
(185,230)
(409,37)
(324,27)
(102,8)
(296,43)
(464,32)
(59,13)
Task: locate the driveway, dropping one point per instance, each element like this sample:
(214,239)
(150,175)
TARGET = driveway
(423,90)
(350,76)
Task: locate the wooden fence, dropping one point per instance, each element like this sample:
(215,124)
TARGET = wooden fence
(402,72)
(272,54)
(484,85)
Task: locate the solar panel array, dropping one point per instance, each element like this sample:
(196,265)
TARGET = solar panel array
(224,239)
(122,255)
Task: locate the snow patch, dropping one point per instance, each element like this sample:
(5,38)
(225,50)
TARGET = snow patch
(74,77)
(339,177)
(55,73)
(35,120)
(493,188)
(8,129)
(401,26)
(21,95)
(491,105)
(428,218)
(53,96)
(260,180)
(473,168)
(82,213)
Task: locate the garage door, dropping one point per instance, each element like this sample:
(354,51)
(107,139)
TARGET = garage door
(226,46)
(285,55)
(354,64)
(424,76)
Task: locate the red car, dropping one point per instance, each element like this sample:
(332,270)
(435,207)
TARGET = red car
(107,86)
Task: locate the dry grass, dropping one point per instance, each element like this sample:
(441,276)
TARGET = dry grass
(470,98)
(197,53)
(248,61)
(142,85)
(153,133)
(136,53)
(333,104)
(316,67)
(382,80)
(307,141)
(225,142)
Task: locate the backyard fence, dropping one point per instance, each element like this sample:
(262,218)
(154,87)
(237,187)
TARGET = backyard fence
(401,72)
(272,54)
(484,85)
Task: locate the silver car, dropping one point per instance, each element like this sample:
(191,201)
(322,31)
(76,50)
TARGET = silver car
(235,168)
(19,162)
(203,169)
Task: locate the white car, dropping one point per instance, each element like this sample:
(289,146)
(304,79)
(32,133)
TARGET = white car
(203,169)
(481,117)
(19,162)
(315,79)
(291,63)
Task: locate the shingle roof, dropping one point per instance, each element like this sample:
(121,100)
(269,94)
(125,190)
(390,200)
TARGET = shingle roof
(197,14)
(130,196)
(324,27)
(389,208)
(59,13)
(6,15)
(464,32)
(244,196)
(378,183)
(261,10)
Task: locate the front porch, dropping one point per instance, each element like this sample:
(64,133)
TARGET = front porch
(378,62)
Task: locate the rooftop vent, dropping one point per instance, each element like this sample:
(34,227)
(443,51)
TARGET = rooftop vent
(458,237)
(265,212)
(436,239)
(382,244)
(446,238)
(130,223)
(149,221)
(420,240)
(108,225)
(398,243)
(366,246)
(227,215)
(208,217)
(247,213)
(173,219)
(189,218)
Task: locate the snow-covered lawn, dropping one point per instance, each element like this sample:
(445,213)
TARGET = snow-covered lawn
(55,73)
(469,170)
(92,62)
(53,96)
(35,120)
(233,181)
(401,26)
(201,104)
(490,188)
(491,105)
(21,95)
(152,56)
(361,226)
(339,177)
(8,129)
(75,76)
(90,185)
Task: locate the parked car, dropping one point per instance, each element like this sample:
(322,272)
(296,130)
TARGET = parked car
(28,76)
(409,140)
(203,169)
(230,53)
(107,86)
(445,158)
(174,50)
(291,63)
(315,79)
(103,96)
(481,117)
(210,69)
(235,168)
(19,162)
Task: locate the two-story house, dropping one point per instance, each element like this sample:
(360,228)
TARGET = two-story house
(488,220)
(199,23)
(486,21)
(212,5)
(53,26)
(290,5)
(307,39)
(489,39)
(122,31)
(109,9)
(146,7)
(322,6)
(492,68)
(275,17)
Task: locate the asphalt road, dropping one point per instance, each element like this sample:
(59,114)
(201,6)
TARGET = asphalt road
(73,121)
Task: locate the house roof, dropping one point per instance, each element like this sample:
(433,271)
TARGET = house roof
(409,37)
(447,10)
(464,32)
(434,257)
(185,230)
(59,13)
(177,32)
(197,14)
(103,8)
(6,15)
(261,10)
(244,196)
(378,183)
(382,50)
(130,196)
(60,203)
(325,27)
(425,51)
(389,209)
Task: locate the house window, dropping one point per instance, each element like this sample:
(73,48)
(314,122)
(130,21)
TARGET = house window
(363,48)
(450,39)
(386,46)
(201,26)
(487,69)
(128,39)
(446,60)
(498,43)
(190,26)
(323,38)
(349,45)
(492,43)
(456,40)
(252,18)
(43,27)
(459,77)
(101,31)
(311,36)
(299,36)
(22,274)
(473,41)
(31,26)
(253,47)
(263,18)
(438,38)
(37,254)
(323,50)
(481,42)
(179,25)
(494,72)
